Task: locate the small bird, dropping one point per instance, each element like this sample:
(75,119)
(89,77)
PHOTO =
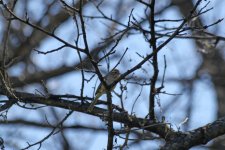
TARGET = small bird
(109,79)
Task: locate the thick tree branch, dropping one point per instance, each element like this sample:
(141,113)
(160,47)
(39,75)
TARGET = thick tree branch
(202,135)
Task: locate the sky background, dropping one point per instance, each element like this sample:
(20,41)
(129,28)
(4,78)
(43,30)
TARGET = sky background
(182,60)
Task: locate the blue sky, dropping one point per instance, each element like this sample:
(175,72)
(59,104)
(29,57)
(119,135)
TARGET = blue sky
(182,62)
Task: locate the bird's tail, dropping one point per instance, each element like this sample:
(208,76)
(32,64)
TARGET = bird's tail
(92,105)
